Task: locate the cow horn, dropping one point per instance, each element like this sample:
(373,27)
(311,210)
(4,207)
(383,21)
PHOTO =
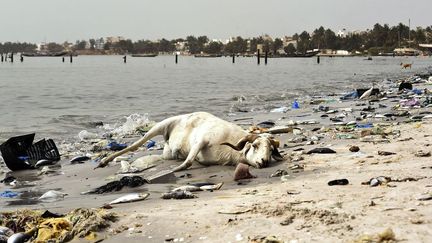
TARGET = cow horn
(242,142)
(275,153)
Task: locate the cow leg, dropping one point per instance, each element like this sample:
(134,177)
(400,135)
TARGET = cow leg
(196,148)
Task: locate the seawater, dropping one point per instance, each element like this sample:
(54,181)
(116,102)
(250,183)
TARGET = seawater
(57,100)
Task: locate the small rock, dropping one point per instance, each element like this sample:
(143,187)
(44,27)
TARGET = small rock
(425,197)
(422,153)
(279,173)
(385,153)
(242,172)
(354,148)
(288,220)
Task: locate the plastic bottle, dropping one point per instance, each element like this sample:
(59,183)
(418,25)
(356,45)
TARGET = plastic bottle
(295,105)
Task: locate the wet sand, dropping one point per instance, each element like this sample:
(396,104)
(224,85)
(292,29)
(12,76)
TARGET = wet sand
(302,208)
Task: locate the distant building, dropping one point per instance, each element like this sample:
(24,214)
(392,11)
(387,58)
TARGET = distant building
(286,40)
(42,46)
(181,47)
(267,37)
(342,33)
(114,39)
(87,45)
(260,48)
(99,44)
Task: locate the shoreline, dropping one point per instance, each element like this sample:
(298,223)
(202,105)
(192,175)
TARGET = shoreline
(303,208)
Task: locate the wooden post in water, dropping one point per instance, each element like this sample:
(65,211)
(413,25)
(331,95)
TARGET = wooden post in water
(318,59)
(233,57)
(176,58)
(258,57)
(71,58)
(124,58)
(265,57)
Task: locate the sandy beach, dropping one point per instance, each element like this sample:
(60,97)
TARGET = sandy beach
(297,207)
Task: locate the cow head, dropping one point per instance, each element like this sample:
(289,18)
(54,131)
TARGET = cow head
(257,150)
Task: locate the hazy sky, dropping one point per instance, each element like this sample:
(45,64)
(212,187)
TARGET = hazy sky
(69,20)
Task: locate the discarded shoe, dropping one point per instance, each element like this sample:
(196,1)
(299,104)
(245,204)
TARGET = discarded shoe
(338,182)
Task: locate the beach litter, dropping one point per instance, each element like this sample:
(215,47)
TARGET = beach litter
(338,182)
(129,181)
(29,224)
(178,195)
(321,151)
(422,153)
(9,194)
(52,195)
(385,236)
(20,153)
(205,186)
(376,181)
(132,197)
(79,159)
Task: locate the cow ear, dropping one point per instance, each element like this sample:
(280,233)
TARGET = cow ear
(275,152)
(276,155)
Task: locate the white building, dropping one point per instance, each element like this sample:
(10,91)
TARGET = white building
(342,33)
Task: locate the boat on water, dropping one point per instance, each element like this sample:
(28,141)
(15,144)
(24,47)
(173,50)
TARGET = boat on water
(45,54)
(309,53)
(406,52)
(208,55)
(144,55)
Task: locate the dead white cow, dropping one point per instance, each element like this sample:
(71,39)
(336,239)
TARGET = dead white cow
(208,140)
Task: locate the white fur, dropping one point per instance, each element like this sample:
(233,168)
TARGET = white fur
(198,137)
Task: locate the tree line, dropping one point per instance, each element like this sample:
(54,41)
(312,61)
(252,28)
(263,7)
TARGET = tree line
(381,38)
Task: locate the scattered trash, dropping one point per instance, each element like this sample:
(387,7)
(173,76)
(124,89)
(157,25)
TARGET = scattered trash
(285,178)
(199,187)
(279,173)
(178,195)
(86,135)
(242,172)
(5,231)
(129,181)
(19,238)
(48,214)
(114,146)
(133,197)
(266,124)
(19,153)
(79,159)
(9,194)
(321,151)
(51,196)
(422,153)
(150,144)
(425,197)
(295,105)
(386,236)
(44,162)
(376,181)
(162,177)
(265,239)
(282,109)
(385,153)
(235,210)
(8,179)
(338,182)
